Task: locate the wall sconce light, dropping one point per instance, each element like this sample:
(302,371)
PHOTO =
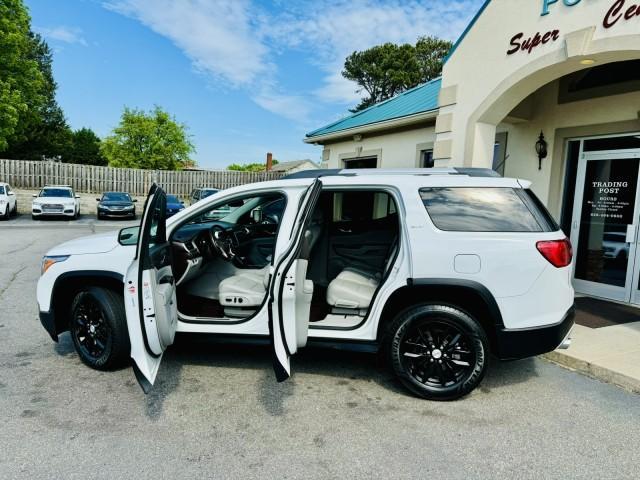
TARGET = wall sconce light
(541,149)
(357,138)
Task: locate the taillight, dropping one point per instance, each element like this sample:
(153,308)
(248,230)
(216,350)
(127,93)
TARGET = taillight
(558,252)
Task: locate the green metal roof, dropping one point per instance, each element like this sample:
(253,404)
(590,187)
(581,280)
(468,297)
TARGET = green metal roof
(423,98)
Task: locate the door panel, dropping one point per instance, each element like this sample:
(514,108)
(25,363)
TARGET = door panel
(150,294)
(290,293)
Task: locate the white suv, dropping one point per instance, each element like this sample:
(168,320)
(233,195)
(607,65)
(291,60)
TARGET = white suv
(56,201)
(436,268)
(8,202)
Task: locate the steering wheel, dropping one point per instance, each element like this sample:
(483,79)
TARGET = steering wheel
(221,244)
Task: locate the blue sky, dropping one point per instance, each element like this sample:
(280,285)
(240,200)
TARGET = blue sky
(247,77)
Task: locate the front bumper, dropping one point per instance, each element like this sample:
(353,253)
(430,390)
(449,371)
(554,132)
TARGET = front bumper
(48,321)
(528,342)
(117,213)
(67,212)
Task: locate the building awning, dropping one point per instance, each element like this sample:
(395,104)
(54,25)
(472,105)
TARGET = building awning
(411,104)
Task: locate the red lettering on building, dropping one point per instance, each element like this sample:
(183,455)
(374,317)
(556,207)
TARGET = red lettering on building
(531,43)
(617,12)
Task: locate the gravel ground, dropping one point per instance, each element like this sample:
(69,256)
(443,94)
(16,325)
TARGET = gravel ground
(217,412)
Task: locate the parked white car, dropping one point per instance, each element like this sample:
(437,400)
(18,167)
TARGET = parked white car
(8,201)
(438,268)
(56,201)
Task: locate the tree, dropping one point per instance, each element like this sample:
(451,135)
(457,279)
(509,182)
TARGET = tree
(85,148)
(386,70)
(249,167)
(152,140)
(21,80)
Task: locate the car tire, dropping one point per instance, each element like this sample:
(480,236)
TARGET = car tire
(33,217)
(7,213)
(98,327)
(438,352)
(99,216)
(15,209)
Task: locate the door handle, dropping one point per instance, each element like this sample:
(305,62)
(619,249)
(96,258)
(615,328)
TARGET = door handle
(631,233)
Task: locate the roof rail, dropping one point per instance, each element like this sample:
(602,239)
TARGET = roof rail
(336,172)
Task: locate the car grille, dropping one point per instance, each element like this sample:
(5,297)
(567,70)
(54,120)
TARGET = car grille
(51,208)
(116,208)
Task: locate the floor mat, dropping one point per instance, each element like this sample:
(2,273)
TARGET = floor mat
(594,313)
(194,306)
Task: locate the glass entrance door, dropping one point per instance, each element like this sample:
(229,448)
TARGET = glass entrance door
(605,225)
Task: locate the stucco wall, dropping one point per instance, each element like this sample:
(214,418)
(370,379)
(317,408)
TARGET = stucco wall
(482,82)
(549,116)
(394,150)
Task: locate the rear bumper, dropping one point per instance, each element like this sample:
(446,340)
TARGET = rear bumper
(528,342)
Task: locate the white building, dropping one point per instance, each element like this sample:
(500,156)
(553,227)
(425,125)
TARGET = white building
(569,69)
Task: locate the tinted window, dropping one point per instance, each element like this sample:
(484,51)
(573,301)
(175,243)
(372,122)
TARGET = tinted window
(116,197)
(362,206)
(208,192)
(56,192)
(466,209)
(1,190)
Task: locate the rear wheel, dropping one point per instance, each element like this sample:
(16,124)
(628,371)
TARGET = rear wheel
(98,328)
(437,351)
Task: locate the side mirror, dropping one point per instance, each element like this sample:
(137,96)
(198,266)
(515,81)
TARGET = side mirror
(97,199)
(34,195)
(12,194)
(181,202)
(256,215)
(134,200)
(129,236)
(77,196)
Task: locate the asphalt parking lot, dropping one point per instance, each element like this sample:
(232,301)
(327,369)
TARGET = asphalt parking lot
(217,411)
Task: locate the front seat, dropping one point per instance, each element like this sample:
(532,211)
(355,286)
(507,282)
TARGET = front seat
(245,291)
(351,292)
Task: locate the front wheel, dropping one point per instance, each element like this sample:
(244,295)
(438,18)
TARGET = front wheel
(98,327)
(437,351)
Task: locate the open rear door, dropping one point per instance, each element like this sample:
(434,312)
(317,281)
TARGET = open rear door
(150,292)
(290,292)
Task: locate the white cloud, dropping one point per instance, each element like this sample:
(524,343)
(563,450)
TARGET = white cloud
(218,36)
(239,42)
(293,107)
(63,34)
(333,29)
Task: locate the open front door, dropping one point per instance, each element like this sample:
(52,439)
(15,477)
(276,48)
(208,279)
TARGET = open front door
(150,292)
(290,292)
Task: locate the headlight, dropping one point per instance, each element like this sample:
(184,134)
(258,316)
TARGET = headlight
(47,262)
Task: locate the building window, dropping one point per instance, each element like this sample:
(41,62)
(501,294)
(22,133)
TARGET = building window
(367,162)
(500,153)
(426,158)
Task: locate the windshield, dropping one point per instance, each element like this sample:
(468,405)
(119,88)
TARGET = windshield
(172,199)
(208,192)
(1,190)
(116,197)
(55,192)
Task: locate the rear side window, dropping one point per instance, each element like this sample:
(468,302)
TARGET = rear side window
(486,209)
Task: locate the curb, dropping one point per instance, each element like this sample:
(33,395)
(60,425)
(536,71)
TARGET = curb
(594,371)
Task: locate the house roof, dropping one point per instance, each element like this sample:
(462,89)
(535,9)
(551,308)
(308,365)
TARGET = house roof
(286,166)
(421,99)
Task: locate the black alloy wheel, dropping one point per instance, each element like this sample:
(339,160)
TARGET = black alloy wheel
(98,328)
(437,351)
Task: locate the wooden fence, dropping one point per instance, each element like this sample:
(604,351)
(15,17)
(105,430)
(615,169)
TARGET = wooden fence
(29,174)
